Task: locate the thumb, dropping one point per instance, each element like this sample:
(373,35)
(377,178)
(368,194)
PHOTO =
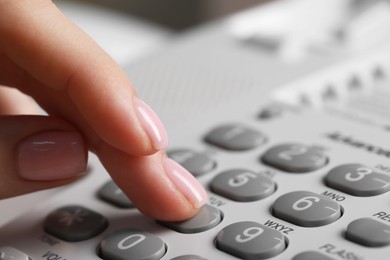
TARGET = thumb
(38,152)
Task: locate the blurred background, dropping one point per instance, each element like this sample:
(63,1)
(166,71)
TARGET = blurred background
(130,29)
(177,14)
(125,28)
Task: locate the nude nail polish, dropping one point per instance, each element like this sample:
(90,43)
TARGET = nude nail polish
(186,183)
(51,155)
(152,125)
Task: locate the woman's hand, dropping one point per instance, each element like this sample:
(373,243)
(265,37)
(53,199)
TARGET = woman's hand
(91,106)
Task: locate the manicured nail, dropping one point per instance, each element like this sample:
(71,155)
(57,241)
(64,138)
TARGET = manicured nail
(152,125)
(52,155)
(186,183)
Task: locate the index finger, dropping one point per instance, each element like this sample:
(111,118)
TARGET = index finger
(51,49)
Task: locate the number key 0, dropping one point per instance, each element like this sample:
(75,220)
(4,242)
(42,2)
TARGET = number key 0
(132,244)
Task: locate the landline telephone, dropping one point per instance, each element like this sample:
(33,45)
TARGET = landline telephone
(283,118)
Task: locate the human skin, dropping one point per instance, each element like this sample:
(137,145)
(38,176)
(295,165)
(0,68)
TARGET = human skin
(91,105)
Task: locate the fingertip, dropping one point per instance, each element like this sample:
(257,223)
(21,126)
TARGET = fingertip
(151,124)
(186,183)
(156,185)
(185,199)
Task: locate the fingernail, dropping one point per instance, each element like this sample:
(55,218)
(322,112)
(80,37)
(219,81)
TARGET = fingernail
(152,125)
(186,183)
(51,156)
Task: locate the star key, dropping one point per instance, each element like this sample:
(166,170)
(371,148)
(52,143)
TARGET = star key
(75,223)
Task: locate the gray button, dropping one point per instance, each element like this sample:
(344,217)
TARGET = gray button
(312,255)
(243,185)
(294,158)
(358,180)
(111,193)
(131,244)
(235,137)
(189,257)
(250,240)
(306,209)
(195,162)
(75,223)
(368,232)
(207,218)
(10,253)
